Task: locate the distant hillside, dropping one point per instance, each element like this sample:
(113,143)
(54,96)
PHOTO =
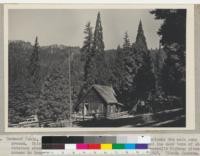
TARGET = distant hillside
(21,96)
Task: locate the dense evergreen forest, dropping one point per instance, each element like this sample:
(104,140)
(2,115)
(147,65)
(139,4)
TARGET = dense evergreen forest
(39,75)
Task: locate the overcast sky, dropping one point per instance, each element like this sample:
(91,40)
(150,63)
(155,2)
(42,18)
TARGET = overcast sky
(66,26)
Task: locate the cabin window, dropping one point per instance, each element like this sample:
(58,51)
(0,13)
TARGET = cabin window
(112,109)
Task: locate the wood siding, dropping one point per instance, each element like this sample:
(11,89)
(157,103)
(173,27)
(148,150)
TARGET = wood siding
(94,103)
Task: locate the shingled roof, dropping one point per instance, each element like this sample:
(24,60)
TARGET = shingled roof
(106,92)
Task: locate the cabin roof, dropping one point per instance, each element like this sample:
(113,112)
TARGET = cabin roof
(106,92)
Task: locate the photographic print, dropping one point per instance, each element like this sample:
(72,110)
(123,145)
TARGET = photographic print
(97,68)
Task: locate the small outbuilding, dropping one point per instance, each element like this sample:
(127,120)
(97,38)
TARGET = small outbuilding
(100,101)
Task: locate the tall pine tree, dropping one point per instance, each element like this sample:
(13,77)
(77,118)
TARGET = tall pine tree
(140,39)
(98,44)
(140,46)
(127,63)
(87,43)
(99,53)
(87,55)
(129,71)
(118,73)
(145,78)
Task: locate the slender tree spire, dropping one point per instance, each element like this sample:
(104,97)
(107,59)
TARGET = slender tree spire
(98,44)
(126,44)
(87,44)
(140,39)
(34,66)
(86,55)
(98,52)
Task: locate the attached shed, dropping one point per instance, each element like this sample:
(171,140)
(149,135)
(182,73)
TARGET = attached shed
(99,101)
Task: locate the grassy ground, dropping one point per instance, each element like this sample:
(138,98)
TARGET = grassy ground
(170,118)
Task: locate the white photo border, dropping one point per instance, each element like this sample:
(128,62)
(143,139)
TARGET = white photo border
(190,61)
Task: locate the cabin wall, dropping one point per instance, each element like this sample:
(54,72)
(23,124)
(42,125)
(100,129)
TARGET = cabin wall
(94,103)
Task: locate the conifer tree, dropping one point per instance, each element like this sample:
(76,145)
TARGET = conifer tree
(98,44)
(140,46)
(129,71)
(89,60)
(127,63)
(34,66)
(118,72)
(173,39)
(98,52)
(33,88)
(87,44)
(173,72)
(140,39)
(86,51)
(144,79)
(126,44)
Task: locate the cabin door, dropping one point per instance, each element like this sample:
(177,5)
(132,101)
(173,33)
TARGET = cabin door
(85,109)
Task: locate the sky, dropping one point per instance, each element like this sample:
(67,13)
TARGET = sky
(67,26)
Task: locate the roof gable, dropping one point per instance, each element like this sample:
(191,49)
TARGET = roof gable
(106,92)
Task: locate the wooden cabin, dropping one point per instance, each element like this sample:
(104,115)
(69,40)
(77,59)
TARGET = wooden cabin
(99,102)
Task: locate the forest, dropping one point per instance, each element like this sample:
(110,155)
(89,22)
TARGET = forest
(39,75)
